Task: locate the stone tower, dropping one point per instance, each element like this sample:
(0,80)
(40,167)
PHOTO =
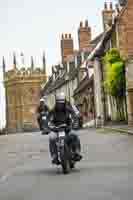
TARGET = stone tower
(66,46)
(84,35)
(107,15)
(22,96)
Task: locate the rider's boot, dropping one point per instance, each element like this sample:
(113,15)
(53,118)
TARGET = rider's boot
(55,160)
(77,156)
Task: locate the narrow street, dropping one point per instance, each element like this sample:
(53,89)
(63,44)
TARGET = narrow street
(106,171)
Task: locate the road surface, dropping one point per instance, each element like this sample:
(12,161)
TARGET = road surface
(106,171)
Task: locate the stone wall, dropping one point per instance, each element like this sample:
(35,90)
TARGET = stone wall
(23,94)
(98,93)
(125,30)
(129,90)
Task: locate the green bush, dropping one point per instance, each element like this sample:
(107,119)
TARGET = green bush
(114,82)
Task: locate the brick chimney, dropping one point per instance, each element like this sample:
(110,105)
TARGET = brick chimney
(107,15)
(84,35)
(66,46)
(123,2)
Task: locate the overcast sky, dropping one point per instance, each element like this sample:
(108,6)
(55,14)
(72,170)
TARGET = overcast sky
(31,26)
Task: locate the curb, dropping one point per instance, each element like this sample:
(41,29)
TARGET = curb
(119,130)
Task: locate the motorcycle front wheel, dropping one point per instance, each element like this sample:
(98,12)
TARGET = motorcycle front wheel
(65,161)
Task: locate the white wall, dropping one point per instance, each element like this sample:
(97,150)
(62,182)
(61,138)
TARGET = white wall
(98,92)
(67,88)
(51,100)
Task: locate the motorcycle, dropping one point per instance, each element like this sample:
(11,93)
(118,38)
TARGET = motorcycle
(44,123)
(65,152)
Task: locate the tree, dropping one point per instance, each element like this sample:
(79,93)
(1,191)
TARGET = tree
(115,83)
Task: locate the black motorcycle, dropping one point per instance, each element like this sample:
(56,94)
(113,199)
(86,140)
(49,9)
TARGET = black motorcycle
(65,152)
(44,123)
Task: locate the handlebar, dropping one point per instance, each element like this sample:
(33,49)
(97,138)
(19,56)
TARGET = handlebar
(56,128)
(44,113)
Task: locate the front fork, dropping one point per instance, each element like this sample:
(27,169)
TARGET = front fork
(64,150)
(60,148)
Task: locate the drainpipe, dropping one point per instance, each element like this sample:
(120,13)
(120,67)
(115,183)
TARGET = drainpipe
(103,93)
(94,104)
(69,92)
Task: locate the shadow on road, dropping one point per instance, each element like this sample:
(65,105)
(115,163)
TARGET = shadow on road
(78,171)
(50,172)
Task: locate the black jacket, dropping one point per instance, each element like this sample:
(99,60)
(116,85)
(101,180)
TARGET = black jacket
(42,109)
(58,117)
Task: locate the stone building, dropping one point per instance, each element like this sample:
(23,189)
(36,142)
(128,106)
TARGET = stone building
(122,38)
(66,76)
(22,88)
(101,102)
(125,44)
(118,31)
(84,98)
(129,89)
(84,93)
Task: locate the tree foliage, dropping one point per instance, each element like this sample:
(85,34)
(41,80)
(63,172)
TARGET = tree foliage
(114,82)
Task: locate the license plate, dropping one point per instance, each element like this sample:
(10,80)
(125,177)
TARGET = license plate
(62,134)
(44,118)
(62,142)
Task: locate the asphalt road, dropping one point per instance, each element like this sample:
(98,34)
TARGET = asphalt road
(106,171)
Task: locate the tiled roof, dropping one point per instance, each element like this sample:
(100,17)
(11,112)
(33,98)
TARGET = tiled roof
(96,39)
(101,45)
(105,38)
(58,83)
(47,86)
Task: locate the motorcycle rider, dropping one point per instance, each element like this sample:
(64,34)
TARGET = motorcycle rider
(59,115)
(42,108)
